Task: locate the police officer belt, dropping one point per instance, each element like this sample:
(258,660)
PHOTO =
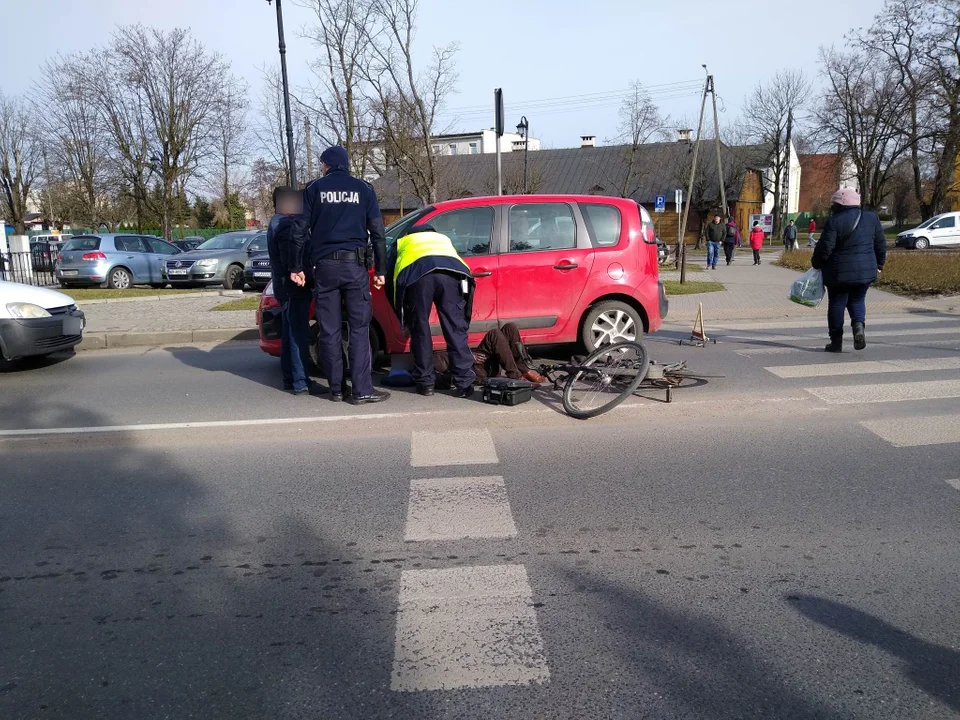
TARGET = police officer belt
(345,256)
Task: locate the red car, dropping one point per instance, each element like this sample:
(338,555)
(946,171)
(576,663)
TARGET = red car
(564,268)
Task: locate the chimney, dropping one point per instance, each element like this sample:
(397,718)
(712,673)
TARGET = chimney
(588,141)
(684,135)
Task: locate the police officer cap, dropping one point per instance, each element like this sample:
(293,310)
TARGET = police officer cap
(335,157)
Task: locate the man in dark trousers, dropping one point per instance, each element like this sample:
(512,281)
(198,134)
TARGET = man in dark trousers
(427,271)
(342,218)
(716,232)
(501,350)
(294,300)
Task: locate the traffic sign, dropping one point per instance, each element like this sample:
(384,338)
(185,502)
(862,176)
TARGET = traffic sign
(661,204)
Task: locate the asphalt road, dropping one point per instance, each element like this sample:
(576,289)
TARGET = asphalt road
(780,542)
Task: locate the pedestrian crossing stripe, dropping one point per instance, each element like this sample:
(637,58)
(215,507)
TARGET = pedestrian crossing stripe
(867,367)
(881,393)
(929,430)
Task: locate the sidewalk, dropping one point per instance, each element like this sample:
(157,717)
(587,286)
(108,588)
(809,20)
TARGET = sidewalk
(762,292)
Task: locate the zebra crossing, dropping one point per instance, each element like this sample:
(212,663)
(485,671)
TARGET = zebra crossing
(463,627)
(886,374)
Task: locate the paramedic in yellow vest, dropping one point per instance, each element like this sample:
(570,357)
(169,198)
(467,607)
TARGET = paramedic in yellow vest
(427,271)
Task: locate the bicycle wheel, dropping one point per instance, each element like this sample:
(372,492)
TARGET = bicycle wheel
(609,376)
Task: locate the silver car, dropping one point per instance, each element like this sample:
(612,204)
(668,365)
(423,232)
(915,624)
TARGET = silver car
(116,261)
(219,260)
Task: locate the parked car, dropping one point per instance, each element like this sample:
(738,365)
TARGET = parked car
(116,261)
(938,231)
(564,268)
(191,242)
(217,261)
(36,321)
(44,249)
(256,271)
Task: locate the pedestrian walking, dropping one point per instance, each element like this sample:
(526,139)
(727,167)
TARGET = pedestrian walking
(731,241)
(756,241)
(342,221)
(716,232)
(294,300)
(811,229)
(851,254)
(790,236)
(428,272)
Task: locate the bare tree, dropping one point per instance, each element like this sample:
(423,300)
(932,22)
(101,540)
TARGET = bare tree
(766,114)
(406,102)
(229,135)
(20,159)
(640,123)
(269,128)
(864,112)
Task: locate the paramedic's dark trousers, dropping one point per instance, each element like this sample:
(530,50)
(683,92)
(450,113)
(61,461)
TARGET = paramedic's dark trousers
(443,290)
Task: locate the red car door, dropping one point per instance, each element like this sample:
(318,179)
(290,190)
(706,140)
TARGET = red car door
(471,231)
(544,271)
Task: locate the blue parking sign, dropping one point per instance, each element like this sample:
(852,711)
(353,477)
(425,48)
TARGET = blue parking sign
(661,203)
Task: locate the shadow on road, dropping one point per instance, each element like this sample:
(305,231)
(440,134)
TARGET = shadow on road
(265,371)
(932,668)
(35,363)
(131,587)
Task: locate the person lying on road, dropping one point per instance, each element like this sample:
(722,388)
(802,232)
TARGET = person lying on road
(501,350)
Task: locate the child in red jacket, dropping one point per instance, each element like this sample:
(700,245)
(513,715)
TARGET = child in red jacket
(756,241)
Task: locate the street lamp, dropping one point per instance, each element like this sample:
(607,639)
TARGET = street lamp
(286,97)
(523,129)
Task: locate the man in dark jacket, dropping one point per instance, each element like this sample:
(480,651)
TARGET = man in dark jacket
(851,252)
(342,218)
(716,233)
(294,300)
(790,236)
(731,241)
(427,271)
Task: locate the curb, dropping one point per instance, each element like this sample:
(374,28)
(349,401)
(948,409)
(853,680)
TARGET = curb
(123,339)
(171,296)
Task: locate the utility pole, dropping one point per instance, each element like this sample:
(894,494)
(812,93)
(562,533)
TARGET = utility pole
(498,112)
(711,87)
(306,128)
(682,250)
(46,170)
(292,158)
(785,183)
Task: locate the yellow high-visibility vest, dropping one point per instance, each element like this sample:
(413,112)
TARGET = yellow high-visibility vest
(411,248)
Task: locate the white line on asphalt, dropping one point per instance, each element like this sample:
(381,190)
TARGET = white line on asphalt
(467,627)
(457,508)
(930,430)
(205,424)
(814,326)
(878,393)
(867,367)
(870,334)
(775,351)
(453,447)
(955,484)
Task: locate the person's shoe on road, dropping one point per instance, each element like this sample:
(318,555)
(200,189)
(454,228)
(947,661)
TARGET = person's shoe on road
(425,390)
(377,396)
(859,336)
(464,393)
(534,377)
(836,342)
(336,397)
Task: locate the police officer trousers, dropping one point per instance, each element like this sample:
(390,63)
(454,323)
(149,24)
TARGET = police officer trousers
(443,290)
(344,284)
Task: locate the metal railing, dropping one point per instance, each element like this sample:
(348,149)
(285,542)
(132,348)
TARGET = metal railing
(37,267)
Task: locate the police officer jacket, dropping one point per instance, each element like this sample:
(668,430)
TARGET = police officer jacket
(341,214)
(418,254)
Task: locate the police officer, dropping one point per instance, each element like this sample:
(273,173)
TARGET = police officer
(427,271)
(342,216)
(294,300)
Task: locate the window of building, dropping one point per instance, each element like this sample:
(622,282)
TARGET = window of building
(436,149)
(453,148)
(474,150)
(603,224)
(469,229)
(542,226)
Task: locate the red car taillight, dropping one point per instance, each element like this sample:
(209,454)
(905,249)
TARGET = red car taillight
(94,256)
(59,257)
(649,232)
(268,302)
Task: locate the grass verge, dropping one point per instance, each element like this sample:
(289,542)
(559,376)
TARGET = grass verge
(913,273)
(691,287)
(107,294)
(246,303)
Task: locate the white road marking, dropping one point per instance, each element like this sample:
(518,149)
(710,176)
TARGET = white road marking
(457,508)
(955,484)
(776,351)
(814,326)
(899,392)
(465,628)
(930,430)
(870,334)
(454,447)
(867,367)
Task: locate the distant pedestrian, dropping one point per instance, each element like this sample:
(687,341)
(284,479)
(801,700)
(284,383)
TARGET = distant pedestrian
(851,253)
(756,241)
(731,241)
(790,236)
(716,232)
(811,240)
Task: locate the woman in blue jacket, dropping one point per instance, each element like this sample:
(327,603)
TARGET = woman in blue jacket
(850,253)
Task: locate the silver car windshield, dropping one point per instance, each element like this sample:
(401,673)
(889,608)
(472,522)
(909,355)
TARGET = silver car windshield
(227,241)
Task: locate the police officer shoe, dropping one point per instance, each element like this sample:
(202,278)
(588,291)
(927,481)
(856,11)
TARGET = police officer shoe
(375,397)
(425,390)
(465,393)
(336,397)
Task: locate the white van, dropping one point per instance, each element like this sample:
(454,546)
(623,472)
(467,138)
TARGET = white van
(938,231)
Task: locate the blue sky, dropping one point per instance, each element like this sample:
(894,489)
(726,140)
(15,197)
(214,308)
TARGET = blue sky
(535,50)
